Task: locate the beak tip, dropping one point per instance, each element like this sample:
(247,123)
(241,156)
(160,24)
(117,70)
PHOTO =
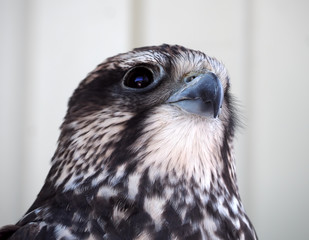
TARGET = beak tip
(217,112)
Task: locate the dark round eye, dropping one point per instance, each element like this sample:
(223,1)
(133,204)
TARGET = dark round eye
(139,77)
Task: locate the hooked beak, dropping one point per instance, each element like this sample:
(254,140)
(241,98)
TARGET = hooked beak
(202,96)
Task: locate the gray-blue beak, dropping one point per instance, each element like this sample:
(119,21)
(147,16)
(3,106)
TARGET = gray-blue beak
(202,96)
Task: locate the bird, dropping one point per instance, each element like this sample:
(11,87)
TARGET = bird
(145,152)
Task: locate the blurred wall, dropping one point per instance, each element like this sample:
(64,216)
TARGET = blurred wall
(47,47)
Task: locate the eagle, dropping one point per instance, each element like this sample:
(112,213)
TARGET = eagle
(145,152)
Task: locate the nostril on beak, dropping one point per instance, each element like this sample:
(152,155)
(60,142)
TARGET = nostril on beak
(189,79)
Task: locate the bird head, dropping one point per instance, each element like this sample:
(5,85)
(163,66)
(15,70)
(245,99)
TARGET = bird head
(166,110)
(145,151)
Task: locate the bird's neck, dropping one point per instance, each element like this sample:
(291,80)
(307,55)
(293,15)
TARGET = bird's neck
(176,166)
(184,148)
(173,146)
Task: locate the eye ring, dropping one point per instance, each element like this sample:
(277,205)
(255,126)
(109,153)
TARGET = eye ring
(138,77)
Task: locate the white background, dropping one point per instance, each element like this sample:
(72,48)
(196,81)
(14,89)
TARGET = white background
(47,47)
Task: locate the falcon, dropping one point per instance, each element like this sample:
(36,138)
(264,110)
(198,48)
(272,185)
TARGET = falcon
(145,152)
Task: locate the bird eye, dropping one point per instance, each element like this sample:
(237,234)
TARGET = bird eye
(139,77)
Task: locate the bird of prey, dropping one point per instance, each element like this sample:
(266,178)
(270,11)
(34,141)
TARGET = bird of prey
(145,152)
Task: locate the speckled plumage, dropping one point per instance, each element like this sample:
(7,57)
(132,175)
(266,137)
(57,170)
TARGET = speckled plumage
(131,166)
